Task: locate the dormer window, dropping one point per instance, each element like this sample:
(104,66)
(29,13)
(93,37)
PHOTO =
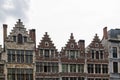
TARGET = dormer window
(25,39)
(14,38)
(20,38)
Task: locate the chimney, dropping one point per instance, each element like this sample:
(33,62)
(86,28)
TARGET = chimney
(32,34)
(4,34)
(81,44)
(105,34)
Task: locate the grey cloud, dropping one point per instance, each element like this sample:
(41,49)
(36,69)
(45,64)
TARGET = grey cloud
(19,10)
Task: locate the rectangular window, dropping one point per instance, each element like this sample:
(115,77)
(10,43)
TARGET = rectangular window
(97,68)
(11,55)
(97,55)
(104,68)
(97,79)
(14,38)
(92,54)
(64,78)
(52,53)
(101,54)
(114,52)
(72,54)
(115,67)
(90,78)
(39,67)
(90,68)
(25,39)
(54,67)
(64,67)
(81,68)
(41,52)
(20,56)
(72,67)
(1,68)
(47,54)
(73,78)
(29,56)
(80,78)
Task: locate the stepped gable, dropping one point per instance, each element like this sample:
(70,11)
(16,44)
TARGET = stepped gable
(71,44)
(18,29)
(46,42)
(96,43)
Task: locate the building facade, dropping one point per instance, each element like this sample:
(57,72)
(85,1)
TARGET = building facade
(111,40)
(2,65)
(72,59)
(47,60)
(97,61)
(21,60)
(19,53)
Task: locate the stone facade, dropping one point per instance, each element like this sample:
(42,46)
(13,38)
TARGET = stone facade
(18,53)
(111,41)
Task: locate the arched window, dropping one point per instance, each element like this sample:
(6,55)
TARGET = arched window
(20,40)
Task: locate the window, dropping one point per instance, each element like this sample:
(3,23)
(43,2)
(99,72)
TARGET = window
(1,68)
(46,53)
(41,52)
(105,68)
(72,54)
(52,53)
(97,55)
(20,74)
(39,67)
(20,56)
(54,67)
(20,39)
(105,79)
(29,56)
(92,54)
(115,67)
(25,39)
(101,54)
(47,67)
(11,55)
(14,38)
(114,52)
(64,78)
(73,78)
(90,68)
(72,67)
(97,68)
(64,67)
(97,79)
(80,68)
(80,78)
(90,78)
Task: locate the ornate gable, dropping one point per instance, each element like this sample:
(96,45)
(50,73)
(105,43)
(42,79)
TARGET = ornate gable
(19,34)
(71,44)
(46,42)
(96,51)
(96,43)
(46,50)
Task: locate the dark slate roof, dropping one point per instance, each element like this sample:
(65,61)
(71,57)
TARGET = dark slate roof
(114,33)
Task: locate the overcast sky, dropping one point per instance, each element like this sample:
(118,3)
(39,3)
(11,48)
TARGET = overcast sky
(60,18)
